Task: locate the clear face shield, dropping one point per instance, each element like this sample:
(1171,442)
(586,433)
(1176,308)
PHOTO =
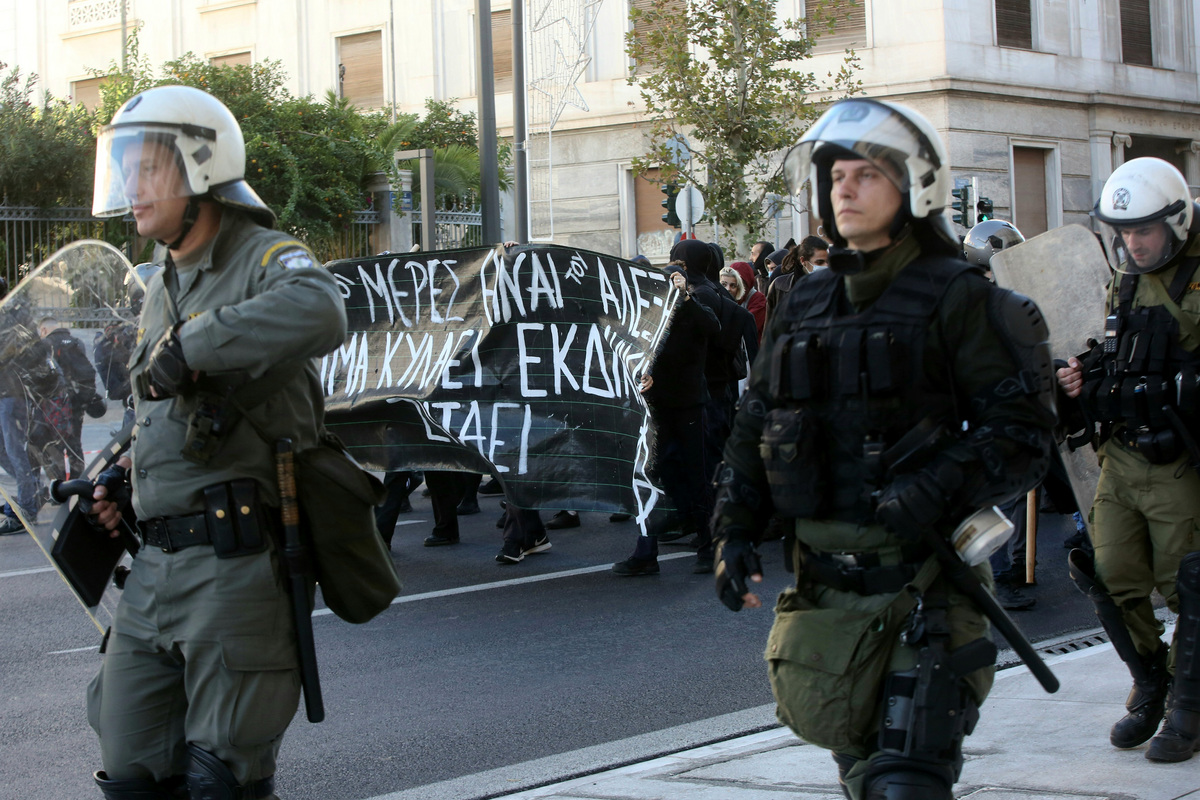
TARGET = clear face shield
(870,130)
(140,165)
(1136,248)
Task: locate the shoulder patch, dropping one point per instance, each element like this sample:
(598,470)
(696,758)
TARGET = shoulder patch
(296,259)
(284,246)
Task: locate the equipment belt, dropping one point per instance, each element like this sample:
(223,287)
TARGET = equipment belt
(860,572)
(175,533)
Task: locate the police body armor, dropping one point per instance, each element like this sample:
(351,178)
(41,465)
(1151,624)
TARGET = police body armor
(1141,375)
(850,387)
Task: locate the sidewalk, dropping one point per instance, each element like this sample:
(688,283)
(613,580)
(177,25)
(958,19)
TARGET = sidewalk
(1029,745)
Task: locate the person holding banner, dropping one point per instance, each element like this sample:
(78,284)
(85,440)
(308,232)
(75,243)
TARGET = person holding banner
(896,393)
(1140,387)
(201,673)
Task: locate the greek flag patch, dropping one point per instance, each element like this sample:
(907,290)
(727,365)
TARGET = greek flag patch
(296,259)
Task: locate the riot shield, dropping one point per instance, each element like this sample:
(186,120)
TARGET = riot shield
(66,333)
(1065,272)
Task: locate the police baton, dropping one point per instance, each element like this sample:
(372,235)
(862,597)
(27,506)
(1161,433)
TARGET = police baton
(295,556)
(965,581)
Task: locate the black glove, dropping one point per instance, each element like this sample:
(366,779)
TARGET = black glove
(736,560)
(115,479)
(915,501)
(167,372)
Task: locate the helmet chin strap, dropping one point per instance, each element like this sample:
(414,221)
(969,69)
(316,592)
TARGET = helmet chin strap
(190,214)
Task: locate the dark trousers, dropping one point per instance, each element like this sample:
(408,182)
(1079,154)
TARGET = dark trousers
(445,493)
(387,513)
(523,526)
(683,469)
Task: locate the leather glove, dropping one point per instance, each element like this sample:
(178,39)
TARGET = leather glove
(116,480)
(915,501)
(167,372)
(736,560)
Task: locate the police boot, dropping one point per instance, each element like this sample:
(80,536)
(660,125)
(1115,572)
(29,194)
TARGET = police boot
(1145,704)
(1150,679)
(898,781)
(1180,734)
(208,778)
(172,789)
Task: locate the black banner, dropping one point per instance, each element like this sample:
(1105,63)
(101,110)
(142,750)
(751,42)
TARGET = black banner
(524,364)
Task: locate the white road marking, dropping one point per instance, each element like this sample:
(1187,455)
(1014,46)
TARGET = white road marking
(30,571)
(483,587)
(73,650)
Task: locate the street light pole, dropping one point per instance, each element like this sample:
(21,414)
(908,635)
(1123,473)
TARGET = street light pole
(521,174)
(489,168)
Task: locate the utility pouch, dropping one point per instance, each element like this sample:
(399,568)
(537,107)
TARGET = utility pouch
(791,453)
(825,667)
(207,423)
(237,525)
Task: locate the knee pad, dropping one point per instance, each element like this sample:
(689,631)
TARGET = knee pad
(898,783)
(208,778)
(171,789)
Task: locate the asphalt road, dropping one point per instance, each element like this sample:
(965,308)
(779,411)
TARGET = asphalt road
(484,679)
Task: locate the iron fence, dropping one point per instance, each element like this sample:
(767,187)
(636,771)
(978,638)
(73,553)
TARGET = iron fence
(457,227)
(357,240)
(29,235)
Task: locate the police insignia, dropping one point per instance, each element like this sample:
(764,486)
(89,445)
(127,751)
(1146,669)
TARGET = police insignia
(1121,199)
(296,259)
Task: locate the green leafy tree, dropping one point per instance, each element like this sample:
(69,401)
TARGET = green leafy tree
(47,150)
(726,74)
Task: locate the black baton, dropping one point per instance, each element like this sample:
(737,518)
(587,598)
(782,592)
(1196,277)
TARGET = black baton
(967,582)
(295,556)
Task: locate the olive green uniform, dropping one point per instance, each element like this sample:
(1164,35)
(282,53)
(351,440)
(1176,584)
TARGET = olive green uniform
(1146,517)
(202,649)
(830,650)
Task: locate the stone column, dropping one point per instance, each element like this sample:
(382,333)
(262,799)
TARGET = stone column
(1102,159)
(394,231)
(1120,142)
(1192,162)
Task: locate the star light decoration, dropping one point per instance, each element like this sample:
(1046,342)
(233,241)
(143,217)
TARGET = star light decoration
(557,44)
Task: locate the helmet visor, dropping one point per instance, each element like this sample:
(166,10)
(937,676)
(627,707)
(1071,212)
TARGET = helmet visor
(870,130)
(1136,248)
(143,164)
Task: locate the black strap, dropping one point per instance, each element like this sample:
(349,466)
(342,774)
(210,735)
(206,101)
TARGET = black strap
(172,534)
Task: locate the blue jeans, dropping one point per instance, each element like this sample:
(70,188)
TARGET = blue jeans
(1002,559)
(14,459)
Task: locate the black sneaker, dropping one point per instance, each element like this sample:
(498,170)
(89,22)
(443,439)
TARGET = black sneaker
(490,488)
(636,566)
(511,553)
(540,546)
(11,525)
(436,540)
(703,565)
(563,519)
(1012,599)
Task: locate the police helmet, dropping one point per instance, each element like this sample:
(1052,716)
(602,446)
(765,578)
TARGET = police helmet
(898,141)
(988,238)
(1146,215)
(195,132)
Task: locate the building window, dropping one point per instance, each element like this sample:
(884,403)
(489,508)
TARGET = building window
(87,92)
(360,69)
(1030,208)
(643,26)
(850,24)
(1014,24)
(648,197)
(502,50)
(1135,33)
(232,60)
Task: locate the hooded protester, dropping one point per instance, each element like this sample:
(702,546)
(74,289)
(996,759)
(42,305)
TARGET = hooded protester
(740,276)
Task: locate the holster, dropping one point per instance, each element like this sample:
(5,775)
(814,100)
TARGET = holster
(238,524)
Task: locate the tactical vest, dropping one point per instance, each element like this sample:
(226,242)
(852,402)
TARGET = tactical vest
(1140,367)
(860,381)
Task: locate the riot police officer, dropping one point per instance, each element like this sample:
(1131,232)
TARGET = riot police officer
(1139,386)
(200,676)
(894,393)
(987,238)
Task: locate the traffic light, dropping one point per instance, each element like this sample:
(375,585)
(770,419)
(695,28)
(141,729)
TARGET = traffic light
(964,210)
(671,218)
(984,207)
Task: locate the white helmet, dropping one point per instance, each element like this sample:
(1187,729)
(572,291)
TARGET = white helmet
(195,132)
(898,141)
(1145,215)
(988,238)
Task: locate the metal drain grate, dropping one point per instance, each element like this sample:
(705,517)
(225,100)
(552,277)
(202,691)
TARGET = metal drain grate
(1078,643)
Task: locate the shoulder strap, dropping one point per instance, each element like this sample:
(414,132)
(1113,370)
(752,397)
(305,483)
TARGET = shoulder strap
(1164,298)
